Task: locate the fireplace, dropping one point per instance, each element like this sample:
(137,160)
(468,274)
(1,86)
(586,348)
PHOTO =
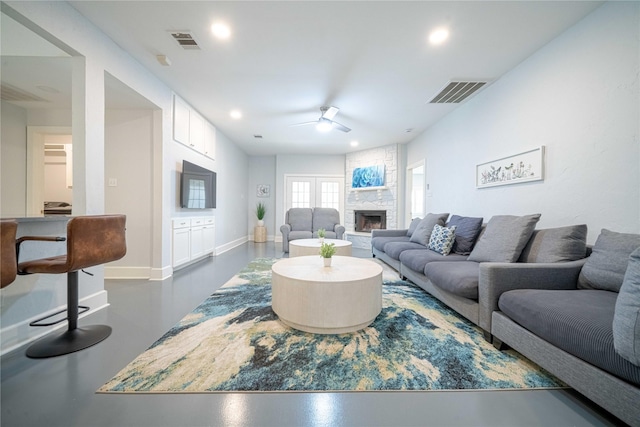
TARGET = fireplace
(365,221)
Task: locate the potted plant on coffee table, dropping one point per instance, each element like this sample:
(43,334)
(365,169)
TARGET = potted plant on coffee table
(321,233)
(327,250)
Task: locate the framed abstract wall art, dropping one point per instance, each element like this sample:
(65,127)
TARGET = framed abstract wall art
(263,190)
(368,177)
(523,167)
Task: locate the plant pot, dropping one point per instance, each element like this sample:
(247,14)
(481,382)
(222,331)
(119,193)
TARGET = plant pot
(260,223)
(327,262)
(321,240)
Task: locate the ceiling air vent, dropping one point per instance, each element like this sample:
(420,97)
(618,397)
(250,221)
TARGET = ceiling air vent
(456,92)
(12,93)
(185,39)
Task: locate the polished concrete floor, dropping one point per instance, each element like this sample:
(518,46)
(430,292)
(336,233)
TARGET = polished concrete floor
(61,391)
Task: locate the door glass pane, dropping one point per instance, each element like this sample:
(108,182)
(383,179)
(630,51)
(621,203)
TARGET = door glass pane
(330,195)
(300,194)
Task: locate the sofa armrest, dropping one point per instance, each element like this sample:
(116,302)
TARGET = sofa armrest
(285,229)
(339,230)
(497,278)
(388,233)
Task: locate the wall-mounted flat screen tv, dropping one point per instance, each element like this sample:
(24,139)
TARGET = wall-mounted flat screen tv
(197,187)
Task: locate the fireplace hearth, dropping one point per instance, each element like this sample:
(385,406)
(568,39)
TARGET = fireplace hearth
(368,220)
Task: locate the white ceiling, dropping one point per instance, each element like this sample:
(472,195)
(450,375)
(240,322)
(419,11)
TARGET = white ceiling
(286,59)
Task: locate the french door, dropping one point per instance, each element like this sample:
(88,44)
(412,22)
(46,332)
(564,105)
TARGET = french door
(307,191)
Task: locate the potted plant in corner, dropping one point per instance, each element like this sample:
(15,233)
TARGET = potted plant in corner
(321,233)
(327,250)
(261,209)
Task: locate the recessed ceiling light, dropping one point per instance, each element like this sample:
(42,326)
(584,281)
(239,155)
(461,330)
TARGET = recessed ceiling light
(236,114)
(354,143)
(438,36)
(221,30)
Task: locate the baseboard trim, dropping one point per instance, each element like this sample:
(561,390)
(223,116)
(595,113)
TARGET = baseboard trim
(17,335)
(233,244)
(114,272)
(159,274)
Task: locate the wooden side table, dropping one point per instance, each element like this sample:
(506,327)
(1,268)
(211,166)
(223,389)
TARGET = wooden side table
(259,234)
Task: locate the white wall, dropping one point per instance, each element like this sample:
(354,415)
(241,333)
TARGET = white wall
(13,160)
(578,96)
(262,171)
(128,160)
(231,213)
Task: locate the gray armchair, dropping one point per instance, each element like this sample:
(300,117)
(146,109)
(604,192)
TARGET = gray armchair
(304,223)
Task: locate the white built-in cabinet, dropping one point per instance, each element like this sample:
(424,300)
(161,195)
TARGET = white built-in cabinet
(192,130)
(193,239)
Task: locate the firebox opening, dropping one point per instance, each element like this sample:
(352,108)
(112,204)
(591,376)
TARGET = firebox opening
(365,221)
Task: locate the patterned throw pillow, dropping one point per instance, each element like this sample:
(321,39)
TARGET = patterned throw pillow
(442,239)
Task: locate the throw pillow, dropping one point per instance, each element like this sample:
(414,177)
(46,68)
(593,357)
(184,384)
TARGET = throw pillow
(442,239)
(556,244)
(504,238)
(423,231)
(413,226)
(626,318)
(606,266)
(467,231)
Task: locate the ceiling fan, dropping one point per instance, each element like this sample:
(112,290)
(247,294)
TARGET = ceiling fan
(325,123)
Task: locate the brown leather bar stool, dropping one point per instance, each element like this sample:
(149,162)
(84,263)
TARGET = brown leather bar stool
(8,263)
(91,241)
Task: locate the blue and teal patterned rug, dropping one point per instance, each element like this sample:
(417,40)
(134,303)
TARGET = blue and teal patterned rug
(234,342)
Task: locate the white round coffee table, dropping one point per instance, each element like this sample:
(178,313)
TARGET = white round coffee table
(345,297)
(303,247)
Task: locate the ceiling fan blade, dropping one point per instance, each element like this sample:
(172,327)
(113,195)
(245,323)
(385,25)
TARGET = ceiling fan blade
(330,113)
(340,127)
(315,122)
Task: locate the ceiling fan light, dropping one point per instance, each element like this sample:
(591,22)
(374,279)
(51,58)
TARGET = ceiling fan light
(323,126)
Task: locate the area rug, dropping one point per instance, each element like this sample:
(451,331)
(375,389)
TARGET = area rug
(233,341)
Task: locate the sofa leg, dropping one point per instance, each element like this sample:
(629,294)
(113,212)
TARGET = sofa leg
(487,336)
(498,344)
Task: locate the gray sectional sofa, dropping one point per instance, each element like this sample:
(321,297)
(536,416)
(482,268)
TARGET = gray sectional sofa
(544,293)
(481,260)
(584,329)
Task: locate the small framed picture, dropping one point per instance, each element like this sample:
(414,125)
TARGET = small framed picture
(263,190)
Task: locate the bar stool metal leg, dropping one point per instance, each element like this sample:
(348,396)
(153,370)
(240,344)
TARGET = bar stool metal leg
(74,338)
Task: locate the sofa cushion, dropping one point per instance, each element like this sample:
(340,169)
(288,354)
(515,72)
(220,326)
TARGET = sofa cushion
(299,219)
(626,318)
(576,321)
(442,238)
(379,242)
(413,226)
(394,249)
(556,244)
(608,262)
(467,231)
(459,278)
(425,227)
(504,238)
(417,259)
(326,218)
(295,235)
